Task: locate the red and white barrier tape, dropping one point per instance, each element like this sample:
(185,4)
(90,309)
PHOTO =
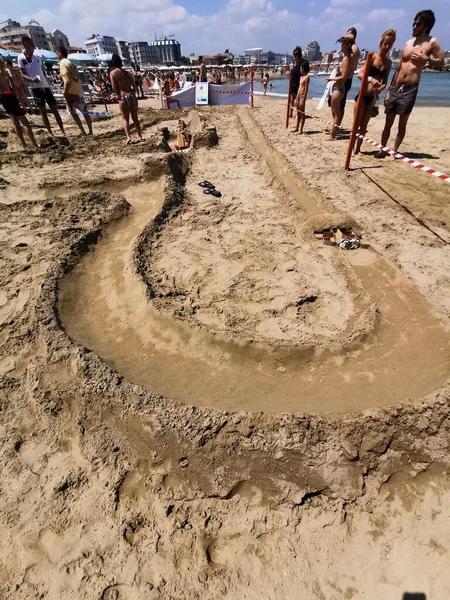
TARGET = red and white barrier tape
(409,161)
(329,123)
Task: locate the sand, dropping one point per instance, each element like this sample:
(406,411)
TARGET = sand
(199,399)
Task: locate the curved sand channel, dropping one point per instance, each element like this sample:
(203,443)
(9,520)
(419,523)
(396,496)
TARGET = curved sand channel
(104,307)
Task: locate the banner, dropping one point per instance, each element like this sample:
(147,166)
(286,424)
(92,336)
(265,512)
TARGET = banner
(228,93)
(201,94)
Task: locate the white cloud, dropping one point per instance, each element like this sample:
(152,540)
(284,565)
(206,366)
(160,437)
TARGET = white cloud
(387,16)
(349,2)
(238,25)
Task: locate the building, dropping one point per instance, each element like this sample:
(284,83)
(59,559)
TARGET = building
(394,54)
(60,39)
(165,50)
(312,52)
(327,58)
(101,44)
(122,49)
(140,53)
(11,34)
(253,55)
(77,50)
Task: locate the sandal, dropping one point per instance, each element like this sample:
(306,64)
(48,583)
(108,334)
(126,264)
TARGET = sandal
(206,184)
(212,192)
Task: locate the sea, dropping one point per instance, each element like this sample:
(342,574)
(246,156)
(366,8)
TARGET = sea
(434,89)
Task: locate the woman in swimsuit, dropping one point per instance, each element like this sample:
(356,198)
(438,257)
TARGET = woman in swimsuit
(377,81)
(339,83)
(124,86)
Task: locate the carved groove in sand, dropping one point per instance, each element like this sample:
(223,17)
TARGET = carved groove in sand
(295,368)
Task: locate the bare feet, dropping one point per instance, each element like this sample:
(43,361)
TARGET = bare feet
(128,142)
(330,139)
(390,157)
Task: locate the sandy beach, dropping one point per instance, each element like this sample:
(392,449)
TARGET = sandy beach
(199,398)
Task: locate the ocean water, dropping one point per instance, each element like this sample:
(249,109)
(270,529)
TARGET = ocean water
(434,89)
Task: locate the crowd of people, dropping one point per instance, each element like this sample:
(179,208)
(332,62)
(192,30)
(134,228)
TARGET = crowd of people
(125,87)
(420,51)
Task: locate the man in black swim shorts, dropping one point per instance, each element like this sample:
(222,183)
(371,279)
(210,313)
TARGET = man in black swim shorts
(356,53)
(11,104)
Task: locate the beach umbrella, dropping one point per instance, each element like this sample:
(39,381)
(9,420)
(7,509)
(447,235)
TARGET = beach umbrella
(8,54)
(46,55)
(83,59)
(104,57)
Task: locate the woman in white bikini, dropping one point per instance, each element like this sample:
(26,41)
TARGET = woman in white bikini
(124,86)
(339,83)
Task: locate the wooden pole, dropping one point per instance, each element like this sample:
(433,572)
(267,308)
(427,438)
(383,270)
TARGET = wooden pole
(251,86)
(357,115)
(289,98)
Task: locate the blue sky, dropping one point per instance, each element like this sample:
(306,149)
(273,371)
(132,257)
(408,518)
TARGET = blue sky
(211,26)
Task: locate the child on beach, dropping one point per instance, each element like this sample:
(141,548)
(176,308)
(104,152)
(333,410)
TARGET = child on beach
(302,94)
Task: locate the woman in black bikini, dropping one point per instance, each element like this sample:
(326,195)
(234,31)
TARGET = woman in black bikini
(378,78)
(124,86)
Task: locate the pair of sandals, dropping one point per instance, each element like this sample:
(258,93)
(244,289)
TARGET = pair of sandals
(210,189)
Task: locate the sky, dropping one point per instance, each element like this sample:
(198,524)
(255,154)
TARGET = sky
(211,26)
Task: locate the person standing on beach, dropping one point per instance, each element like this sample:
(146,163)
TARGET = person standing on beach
(202,75)
(295,77)
(18,84)
(302,94)
(10,103)
(73,90)
(377,81)
(33,74)
(356,53)
(339,83)
(124,87)
(421,50)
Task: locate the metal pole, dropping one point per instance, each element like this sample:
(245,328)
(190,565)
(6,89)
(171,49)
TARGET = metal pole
(358,110)
(289,98)
(251,86)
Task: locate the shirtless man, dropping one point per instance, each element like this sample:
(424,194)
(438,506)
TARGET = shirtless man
(18,83)
(202,75)
(356,53)
(11,105)
(421,50)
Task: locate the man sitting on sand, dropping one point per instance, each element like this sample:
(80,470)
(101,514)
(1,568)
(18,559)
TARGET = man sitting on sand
(73,90)
(10,103)
(421,50)
(33,74)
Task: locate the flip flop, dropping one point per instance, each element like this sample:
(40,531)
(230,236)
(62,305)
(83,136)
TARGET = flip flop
(206,184)
(212,192)
(350,244)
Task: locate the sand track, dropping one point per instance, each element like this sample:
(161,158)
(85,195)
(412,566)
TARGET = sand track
(112,492)
(104,307)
